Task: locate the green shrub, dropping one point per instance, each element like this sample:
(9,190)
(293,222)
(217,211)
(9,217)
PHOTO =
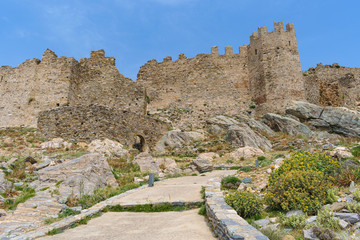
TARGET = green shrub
(298,190)
(356,194)
(293,221)
(355,151)
(332,194)
(230,182)
(305,161)
(353,207)
(246,169)
(326,219)
(246,204)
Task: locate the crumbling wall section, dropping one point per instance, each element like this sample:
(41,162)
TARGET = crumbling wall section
(34,86)
(99,82)
(90,122)
(333,85)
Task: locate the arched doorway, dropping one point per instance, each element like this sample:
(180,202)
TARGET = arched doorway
(139,143)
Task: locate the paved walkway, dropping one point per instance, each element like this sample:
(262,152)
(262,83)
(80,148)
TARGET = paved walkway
(164,225)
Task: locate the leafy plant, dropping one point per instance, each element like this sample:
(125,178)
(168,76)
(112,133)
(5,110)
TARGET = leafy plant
(230,182)
(293,221)
(346,176)
(326,219)
(353,207)
(246,204)
(355,151)
(332,194)
(246,168)
(298,190)
(356,194)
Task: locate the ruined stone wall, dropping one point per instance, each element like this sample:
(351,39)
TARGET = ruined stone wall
(34,86)
(100,82)
(275,73)
(37,85)
(87,123)
(193,89)
(333,85)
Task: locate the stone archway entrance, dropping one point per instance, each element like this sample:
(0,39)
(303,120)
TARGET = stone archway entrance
(139,143)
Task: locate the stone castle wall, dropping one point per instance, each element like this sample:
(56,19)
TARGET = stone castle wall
(90,122)
(199,86)
(35,86)
(333,86)
(267,73)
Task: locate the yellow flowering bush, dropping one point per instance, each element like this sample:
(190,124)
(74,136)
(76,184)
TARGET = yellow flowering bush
(304,161)
(246,204)
(298,190)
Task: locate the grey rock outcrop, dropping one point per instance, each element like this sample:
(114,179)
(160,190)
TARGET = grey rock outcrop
(242,135)
(339,120)
(203,163)
(156,165)
(255,125)
(108,147)
(177,139)
(78,176)
(286,125)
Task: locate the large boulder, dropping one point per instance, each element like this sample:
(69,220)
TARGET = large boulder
(256,125)
(340,120)
(203,163)
(341,153)
(78,176)
(147,163)
(242,135)
(156,165)
(286,125)
(246,152)
(222,121)
(177,139)
(108,147)
(304,111)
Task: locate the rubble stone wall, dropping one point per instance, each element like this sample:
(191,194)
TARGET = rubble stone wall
(87,123)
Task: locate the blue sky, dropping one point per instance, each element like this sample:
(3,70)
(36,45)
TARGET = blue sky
(135,31)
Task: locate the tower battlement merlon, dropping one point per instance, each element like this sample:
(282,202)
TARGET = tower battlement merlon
(290,27)
(262,31)
(215,51)
(279,26)
(229,51)
(97,54)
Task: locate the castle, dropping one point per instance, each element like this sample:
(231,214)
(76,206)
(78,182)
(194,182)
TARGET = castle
(263,77)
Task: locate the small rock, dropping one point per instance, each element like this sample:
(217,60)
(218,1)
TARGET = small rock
(30,159)
(242,187)
(18,184)
(294,213)
(3,213)
(246,152)
(262,222)
(349,217)
(336,207)
(341,153)
(352,187)
(309,235)
(327,146)
(343,224)
(327,235)
(246,180)
(76,209)
(311,219)
(268,170)
(138,180)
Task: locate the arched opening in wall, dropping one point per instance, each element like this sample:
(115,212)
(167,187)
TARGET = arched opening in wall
(139,143)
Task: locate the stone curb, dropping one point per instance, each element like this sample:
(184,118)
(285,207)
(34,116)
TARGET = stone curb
(227,224)
(97,208)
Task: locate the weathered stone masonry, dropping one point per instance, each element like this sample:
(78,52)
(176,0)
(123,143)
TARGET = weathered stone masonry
(87,123)
(267,73)
(37,85)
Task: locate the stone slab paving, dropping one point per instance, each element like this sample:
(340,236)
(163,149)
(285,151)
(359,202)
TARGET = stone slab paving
(175,191)
(139,226)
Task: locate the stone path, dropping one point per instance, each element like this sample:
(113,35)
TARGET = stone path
(166,225)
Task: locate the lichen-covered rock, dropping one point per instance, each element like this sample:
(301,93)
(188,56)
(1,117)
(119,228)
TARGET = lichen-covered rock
(286,125)
(177,139)
(246,152)
(243,136)
(203,163)
(78,176)
(304,110)
(108,148)
(341,153)
(256,125)
(222,121)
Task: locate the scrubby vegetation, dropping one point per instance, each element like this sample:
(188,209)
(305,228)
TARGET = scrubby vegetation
(246,204)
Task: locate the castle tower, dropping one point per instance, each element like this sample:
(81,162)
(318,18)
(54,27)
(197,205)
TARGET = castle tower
(274,68)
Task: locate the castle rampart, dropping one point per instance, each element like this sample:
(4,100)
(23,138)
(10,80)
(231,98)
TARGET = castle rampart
(35,86)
